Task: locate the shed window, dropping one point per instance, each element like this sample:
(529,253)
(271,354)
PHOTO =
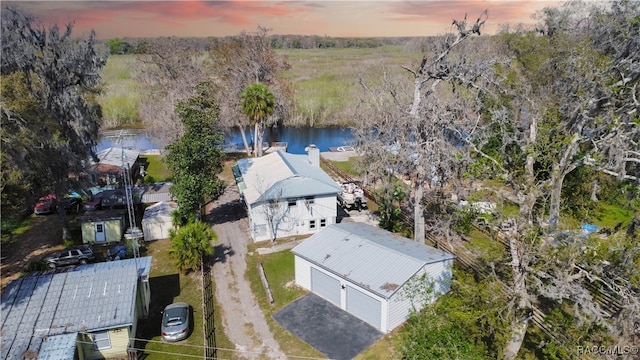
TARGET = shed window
(101,340)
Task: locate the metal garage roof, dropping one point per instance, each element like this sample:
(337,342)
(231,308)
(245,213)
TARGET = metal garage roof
(373,258)
(281,175)
(81,299)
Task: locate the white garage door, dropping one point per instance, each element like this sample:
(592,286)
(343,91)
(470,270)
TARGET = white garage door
(325,286)
(364,306)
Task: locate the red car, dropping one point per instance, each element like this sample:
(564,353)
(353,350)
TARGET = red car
(45,205)
(95,203)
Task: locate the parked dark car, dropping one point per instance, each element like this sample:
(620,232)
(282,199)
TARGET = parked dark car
(72,205)
(71,256)
(175,322)
(45,205)
(114,199)
(95,203)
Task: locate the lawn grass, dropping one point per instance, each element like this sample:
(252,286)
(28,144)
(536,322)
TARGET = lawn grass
(484,246)
(280,273)
(279,270)
(169,285)
(156,168)
(12,229)
(350,167)
(383,349)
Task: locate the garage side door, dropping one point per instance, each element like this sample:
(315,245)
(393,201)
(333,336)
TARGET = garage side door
(325,286)
(364,306)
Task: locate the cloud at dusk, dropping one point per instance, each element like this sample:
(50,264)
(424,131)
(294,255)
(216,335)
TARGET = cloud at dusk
(331,18)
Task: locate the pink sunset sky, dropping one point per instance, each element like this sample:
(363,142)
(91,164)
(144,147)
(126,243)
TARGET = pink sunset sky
(355,18)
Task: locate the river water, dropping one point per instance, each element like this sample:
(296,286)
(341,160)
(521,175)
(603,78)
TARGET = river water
(297,138)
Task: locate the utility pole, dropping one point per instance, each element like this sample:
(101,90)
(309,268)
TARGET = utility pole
(133,233)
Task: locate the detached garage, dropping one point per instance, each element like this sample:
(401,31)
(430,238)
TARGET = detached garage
(368,271)
(157,221)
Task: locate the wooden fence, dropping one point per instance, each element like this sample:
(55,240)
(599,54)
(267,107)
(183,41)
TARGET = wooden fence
(208,304)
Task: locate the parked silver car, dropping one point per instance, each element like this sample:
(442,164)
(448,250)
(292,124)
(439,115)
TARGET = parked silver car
(76,255)
(175,322)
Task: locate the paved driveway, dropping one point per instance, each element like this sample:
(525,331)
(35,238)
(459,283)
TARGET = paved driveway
(326,327)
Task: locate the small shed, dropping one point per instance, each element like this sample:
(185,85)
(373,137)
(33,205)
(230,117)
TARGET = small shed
(371,273)
(102,226)
(157,220)
(153,193)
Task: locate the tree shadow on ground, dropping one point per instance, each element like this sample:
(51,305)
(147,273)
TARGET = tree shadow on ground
(228,212)
(221,252)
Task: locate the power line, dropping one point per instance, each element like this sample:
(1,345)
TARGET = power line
(221,349)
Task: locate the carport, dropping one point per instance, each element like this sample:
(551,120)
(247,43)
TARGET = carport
(332,331)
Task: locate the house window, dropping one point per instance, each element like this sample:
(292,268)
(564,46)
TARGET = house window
(323,223)
(309,200)
(101,340)
(291,203)
(312,224)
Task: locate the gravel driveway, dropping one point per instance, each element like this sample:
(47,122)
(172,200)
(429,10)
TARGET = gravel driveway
(243,320)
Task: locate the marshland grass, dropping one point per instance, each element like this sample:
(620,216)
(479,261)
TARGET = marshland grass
(325,83)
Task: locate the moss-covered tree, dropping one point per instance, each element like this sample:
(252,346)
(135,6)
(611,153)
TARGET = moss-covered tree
(50,117)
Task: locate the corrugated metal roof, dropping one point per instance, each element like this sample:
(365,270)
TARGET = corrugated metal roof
(85,298)
(149,194)
(281,175)
(373,258)
(118,156)
(58,347)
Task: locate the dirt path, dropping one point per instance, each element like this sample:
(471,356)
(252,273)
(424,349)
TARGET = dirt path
(243,320)
(41,239)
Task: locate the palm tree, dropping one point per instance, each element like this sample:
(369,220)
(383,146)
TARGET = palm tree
(258,104)
(190,244)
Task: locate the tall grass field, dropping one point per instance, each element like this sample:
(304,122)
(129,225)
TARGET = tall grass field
(325,83)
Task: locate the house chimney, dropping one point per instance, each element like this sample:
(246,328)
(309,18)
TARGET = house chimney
(314,154)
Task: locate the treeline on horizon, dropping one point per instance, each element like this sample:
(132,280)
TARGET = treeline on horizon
(121,46)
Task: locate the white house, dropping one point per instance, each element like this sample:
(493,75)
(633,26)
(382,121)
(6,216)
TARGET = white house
(157,220)
(82,313)
(286,194)
(371,273)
